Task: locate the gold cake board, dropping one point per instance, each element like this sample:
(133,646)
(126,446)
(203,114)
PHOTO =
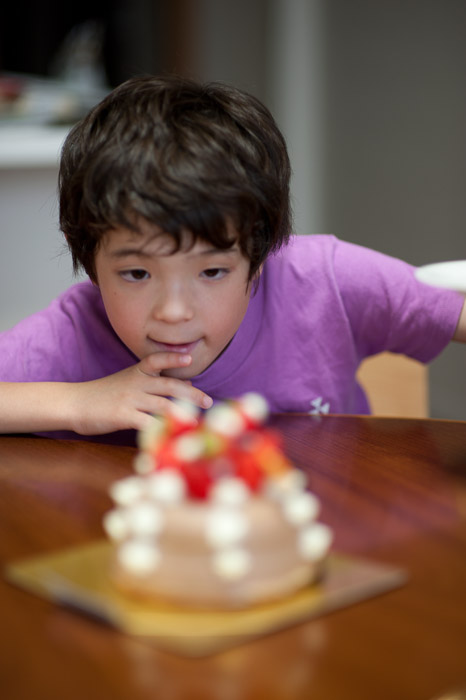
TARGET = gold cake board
(78,578)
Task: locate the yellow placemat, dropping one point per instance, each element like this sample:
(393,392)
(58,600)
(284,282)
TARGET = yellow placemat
(78,577)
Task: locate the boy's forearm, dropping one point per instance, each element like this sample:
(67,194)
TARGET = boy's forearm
(36,407)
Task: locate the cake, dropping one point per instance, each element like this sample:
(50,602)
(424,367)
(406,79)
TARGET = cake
(215,515)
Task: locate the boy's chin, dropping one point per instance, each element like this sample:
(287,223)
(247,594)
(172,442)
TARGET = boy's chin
(187,372)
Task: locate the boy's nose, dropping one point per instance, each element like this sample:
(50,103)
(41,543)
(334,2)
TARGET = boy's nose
(173,306)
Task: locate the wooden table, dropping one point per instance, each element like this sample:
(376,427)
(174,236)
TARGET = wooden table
(393,490)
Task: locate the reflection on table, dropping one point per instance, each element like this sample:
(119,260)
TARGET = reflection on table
(393,490)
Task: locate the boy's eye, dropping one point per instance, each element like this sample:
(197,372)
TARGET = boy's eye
(215,273)
(134,275)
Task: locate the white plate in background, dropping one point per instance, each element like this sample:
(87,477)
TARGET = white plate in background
(449,275)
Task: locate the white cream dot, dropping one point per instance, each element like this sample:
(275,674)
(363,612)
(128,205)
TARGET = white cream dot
(189,447)
(138,557)
(184,411)
(115,524)
(232,564)
(127,491)
(300,508)
(281,487)
(143,463)
(150,436)
(144,519)
(225,420)
(225,527)
(254,406)
(230,491)
(166,486)
(314,541)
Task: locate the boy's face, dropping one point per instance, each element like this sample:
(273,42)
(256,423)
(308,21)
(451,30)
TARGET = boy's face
(191,301)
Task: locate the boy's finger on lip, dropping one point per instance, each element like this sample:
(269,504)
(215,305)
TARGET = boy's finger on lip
(158,361)
(177,358)
(182,359)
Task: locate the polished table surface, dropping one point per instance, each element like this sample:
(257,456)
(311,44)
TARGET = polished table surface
(394,490)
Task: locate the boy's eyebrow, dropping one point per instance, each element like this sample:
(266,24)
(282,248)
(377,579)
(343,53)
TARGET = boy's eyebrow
(127,252)
(217,251)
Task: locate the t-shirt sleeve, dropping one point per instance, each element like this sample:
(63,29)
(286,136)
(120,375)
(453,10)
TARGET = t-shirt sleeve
(34,349)
(69,341)
(388,309)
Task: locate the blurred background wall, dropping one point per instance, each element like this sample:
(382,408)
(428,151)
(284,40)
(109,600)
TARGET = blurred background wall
(370,95)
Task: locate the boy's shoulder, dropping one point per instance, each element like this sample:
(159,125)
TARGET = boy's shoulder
(77,309)
(82,299)
(312,242)
(84,290)
(325,265)
(302,247)
(304,253)
(328,254)
(70,340)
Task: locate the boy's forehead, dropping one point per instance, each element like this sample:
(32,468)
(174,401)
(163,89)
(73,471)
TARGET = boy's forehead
(145,241)
(150,240)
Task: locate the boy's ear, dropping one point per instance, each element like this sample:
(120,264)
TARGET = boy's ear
(258,273)
(254,281)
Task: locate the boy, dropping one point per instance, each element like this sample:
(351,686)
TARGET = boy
(174,197)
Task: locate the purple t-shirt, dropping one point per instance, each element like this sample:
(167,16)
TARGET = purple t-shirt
(321,306)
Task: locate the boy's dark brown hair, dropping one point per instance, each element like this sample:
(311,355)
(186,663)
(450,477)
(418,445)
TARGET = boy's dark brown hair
(184,156)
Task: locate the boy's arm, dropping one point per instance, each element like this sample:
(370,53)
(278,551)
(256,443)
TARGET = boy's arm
(35,407)
(120,401)
(460,332)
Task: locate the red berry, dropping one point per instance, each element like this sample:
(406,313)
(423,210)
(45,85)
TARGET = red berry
(247,469)
(198,479)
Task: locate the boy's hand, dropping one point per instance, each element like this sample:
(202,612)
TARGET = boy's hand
(128,398)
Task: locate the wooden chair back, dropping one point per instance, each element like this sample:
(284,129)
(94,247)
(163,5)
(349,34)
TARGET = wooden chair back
(395,385)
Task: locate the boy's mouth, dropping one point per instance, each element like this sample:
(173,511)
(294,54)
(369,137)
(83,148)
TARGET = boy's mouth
(185,348)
